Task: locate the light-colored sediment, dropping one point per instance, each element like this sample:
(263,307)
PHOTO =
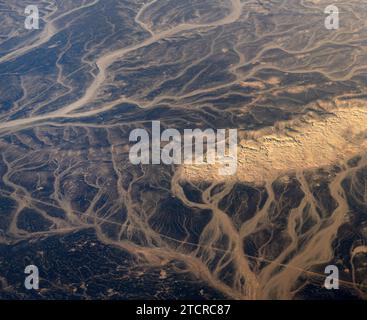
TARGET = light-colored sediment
(309,143)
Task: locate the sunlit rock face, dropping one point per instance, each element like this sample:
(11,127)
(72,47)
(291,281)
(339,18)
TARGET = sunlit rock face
(99,226)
